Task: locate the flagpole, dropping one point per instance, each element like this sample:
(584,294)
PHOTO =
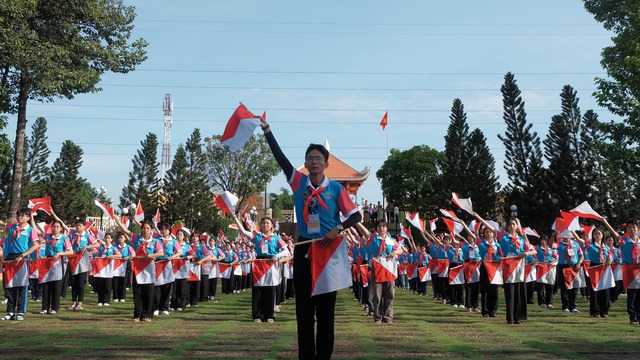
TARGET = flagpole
(383,199)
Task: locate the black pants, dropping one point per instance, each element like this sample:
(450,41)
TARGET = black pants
(444,288)
(320,308)
(16,296)
(179,294)
(545,293)
(162,297)
(226,285)
(51,295)
(103,287)
(513,301)
(472,292)
(213,284)
(204,288)
(77,286)
(119,287)
(435,284)
(599,302)
(262,302)
(36,289)
(488,294)
(633,304)
(143,299)
(194,292)
(568,296)
(66,279)
(422,287)
(236,280)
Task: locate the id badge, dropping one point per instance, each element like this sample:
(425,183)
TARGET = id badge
(314,224)
(511,254)
(570,252)
(455,259)
(546,258)
(472,254)
(264,248)
(389,242)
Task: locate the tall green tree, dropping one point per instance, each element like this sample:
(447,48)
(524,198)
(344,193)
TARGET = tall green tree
(523,157)
(482,182)
(57,49)
(204,210)
(412,179)
(176,194)
(143,182)
(36,159)
(245,172)
(71,195)
(5,166)
(281,201)
(456,164)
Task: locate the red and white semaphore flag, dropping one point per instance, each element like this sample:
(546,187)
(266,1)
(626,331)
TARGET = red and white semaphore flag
(227,202)
(412,271)
(512,270)
(494,272)
(585,210)
(16,274)
(194,271)
(225,270)
(573,279)
(239,128)
(164,272)
(424,274)
(139,216)
(330,270)
(464,204)
(414,219)
(631,276)
(119,267)
(103,268)
(265,273)
(471,272)
(106,209)
(49,269)
(181,268)
(443,268)
(546,273)
(601,277)
(79,262)
(530,272)
(144,270)
(385,270)
(456,275)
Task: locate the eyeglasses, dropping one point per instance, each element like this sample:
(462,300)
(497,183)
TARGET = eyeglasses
(314,159)
(27,215)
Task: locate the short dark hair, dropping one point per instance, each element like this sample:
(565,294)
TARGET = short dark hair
(321,148)
(382,222)
(23,211)
(632,222)
(80,220)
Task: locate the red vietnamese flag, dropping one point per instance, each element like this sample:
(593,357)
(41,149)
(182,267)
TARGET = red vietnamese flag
(329,266)
(385,120)
(239,128)
(156,218)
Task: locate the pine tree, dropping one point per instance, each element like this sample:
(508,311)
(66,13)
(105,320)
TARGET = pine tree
(143,182)
(6,164)
(523,157)
(197,178)
(37,153)
(71,195)
(175,189)
(456,166)
(481,176)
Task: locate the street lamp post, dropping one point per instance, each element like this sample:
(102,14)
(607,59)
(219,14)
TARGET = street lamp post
(514,211)
(101,194)
(396,213)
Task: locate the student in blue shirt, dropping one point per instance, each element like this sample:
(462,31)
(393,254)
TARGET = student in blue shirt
(120,282)
(21,241)
(546,255)
(569,255)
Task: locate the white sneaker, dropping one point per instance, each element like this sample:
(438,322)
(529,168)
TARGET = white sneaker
(165,312)
(106,304)
(575,311)
(121,300)
(99,304)
(157,312)
(178,309)
(53,312)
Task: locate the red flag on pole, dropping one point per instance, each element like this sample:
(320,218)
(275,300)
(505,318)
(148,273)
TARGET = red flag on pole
(385,120)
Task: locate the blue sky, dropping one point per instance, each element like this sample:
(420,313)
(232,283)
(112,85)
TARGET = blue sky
(329,70)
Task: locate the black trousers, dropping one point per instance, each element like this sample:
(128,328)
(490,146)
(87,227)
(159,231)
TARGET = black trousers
(119,287)
(51,295)
(213,284)
(194,292)
(435,284)
(290,293)
(179,294)
(143,299)
(103,287)
(545,293)
(568,296)
(472,292)
(262,302)
(36,289)
(16,296)
(204,288)
(162,297)
(513,301)
(633,304)
(488,294)
(320,308)
(78,283)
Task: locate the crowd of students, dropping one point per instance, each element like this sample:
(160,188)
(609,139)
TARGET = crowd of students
(169,269)
(468,272)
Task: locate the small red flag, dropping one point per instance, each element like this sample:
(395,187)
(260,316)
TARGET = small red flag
(384,120)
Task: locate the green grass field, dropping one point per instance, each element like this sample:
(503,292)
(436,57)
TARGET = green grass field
(423,329)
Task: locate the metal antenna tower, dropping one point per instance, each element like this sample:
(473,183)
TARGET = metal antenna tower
(166,146)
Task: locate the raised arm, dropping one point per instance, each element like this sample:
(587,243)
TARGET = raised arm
(124,229)
(363,230)
(614,233)
(55,217)
(483,222)
(32,222)
(241,228)
(282,160)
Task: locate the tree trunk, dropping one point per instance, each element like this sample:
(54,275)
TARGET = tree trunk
(18,155)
